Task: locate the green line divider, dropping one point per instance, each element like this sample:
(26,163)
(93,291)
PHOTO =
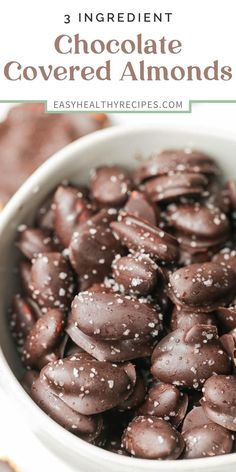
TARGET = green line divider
(189,110)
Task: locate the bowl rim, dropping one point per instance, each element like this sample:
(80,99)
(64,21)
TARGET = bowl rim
(60,434)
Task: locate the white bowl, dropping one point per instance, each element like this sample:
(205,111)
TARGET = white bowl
(120,145)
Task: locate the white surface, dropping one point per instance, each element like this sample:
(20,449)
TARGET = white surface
(17,441)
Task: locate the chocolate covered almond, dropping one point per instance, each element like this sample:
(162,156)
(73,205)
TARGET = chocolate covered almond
(202,287)
(139,236)
(52,280)
(43,338)
(70,209)
(167,402)
(207,441)
(89,386)
(189,358)
(148,437)
(112,316)
(219,401)
(136,273)
(176,160)
(109,185)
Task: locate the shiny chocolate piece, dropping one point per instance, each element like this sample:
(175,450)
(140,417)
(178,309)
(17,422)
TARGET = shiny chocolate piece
(136,273)
(202,287)
(175,160)
(226,257)
(109,185)
(228,342)
(71,209)
(140,236)
(181,318)
(195,418)
(198,227)
(24,315)
(26,277)
(88,427)
(43,338)
(149,437)
(112,351)
(219,401)
(172,187)
(139,205)
(113,316)
(89,386)
(205,222)
(167,402)
(208,440)
(227,316)
(52,280)
(137,396)
(188,359)
(33,242)
(93,248)
(45,216)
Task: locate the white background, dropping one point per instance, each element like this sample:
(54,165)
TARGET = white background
(27,31)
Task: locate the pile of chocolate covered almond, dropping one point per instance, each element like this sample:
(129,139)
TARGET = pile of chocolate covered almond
(126,317)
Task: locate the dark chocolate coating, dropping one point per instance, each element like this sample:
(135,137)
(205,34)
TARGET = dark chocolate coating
(228,342)
(189,358)
(202,287)
(24,315)
(43,337)
(176,160)
(142,237)
(112,351)
(167,402)
(172,187)
(113,316)
(207,441)
(139,205)
(202,221)
(136,274)
(93,248)
(149,437)
(71,209)
(45,216)
(53,281)
(226,257)
(195,418)
(187,319)
(109,185)
(227,316)
(137,396)
(86,426)
(219,401)
(88,386)
(26,277)
(35,241)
